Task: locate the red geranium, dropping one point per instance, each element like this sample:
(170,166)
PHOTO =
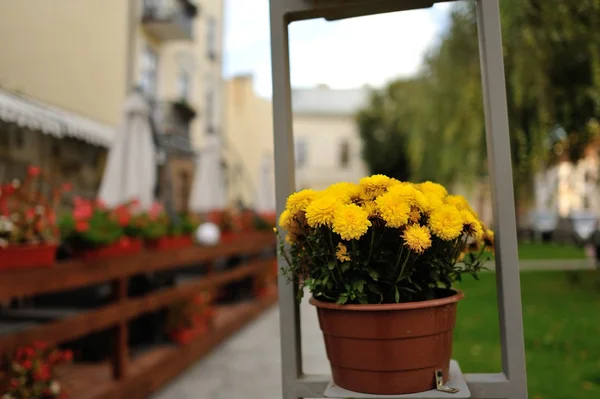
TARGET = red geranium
(34,171)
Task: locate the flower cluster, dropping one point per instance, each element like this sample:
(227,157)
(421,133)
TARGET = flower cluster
(381,241)
(29,372)
(156,223)
(28,210)
(191,313)
(91,224)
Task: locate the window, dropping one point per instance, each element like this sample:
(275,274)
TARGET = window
(183,84)
(149,72)
(344,154)
(211,37)
(300,152)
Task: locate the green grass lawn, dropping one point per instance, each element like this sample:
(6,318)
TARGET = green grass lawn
(562,332)
(530,251)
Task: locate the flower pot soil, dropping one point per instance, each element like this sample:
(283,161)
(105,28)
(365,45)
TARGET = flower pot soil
(169,243)
(123,247)
(388,349)
(16,257)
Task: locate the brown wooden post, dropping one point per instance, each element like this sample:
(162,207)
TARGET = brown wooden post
(120,355)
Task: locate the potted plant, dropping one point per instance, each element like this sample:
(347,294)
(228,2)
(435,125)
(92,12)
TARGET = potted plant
(162,233)
(28,232)
(190,318)
(380,258)
(29,372)
(265,284)
(92,231)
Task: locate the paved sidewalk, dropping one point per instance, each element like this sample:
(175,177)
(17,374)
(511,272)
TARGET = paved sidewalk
(248,365)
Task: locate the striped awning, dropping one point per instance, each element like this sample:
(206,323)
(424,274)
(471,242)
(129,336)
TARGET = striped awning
(37,116)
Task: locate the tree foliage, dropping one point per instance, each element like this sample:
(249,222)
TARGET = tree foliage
(552,63)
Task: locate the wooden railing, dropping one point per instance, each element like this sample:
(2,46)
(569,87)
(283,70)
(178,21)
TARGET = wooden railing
(116,315)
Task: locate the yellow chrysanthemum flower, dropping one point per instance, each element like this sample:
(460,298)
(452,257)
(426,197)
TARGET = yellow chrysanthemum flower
(393,210)
(446,222)
(370,207)
(346,192)
(373,186)
(285,219)
(299,201)
(472,225)
(351,222)
(459,202)
(430,188)
(320,211)
(414,216)
(342,253)
(417,238)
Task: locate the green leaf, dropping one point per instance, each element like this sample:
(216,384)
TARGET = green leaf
(397,294)
(346,266)
(374,275)
(342,299)
(359,285)
(331,265)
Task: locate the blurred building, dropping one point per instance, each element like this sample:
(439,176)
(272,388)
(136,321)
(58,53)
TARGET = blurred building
(327,142)
(81,58)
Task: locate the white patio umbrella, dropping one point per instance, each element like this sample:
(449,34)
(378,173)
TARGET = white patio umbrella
(208,187)
(130,171)
(265,201)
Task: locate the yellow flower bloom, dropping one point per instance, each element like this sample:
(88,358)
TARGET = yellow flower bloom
(459,202)
(472,225)
(342,253)
(299,201)
(414,215)
(393,210)
(417,238)
(346,192)
(290,238)
(430,188)
(446,222)
(351,222)
(373,186)
(320,211)
(285,219)
(370,207)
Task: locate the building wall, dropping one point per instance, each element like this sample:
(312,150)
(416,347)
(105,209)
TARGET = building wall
(248,129)
(70,53)
(323,137)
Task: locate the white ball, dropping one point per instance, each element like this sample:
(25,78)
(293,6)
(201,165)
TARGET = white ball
(208,234)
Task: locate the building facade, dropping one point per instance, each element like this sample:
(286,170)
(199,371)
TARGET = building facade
(85,57)
(326,138)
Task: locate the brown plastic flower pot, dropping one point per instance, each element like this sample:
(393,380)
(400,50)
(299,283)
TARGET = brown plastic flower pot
(388,349)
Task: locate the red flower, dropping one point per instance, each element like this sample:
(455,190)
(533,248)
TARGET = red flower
(42,373)
(14,383)
(30,213)
(34,171)
(123,216)
(81,226)
(66,187)
(27,364)
(7,189)
(67,356)
(40,345)
(28,351)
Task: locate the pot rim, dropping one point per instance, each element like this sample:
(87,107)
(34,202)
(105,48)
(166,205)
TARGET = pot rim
(458,295)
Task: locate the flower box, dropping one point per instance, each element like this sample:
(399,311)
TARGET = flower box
(201,326)
(123,247)
(16,257)
(169,243)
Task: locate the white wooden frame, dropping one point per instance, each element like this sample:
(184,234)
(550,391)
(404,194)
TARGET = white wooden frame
(512,382)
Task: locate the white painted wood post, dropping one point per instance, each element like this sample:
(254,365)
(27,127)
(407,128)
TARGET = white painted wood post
(512,382)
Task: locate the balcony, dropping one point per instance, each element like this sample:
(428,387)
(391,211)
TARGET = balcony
(165,20)
(173,123)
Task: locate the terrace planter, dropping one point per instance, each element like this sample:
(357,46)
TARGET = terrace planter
(388,349)
(18,257)
(170,243)
(123,247)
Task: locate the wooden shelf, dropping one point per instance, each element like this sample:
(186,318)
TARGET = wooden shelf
(149,371)
(76,274)
(126,376)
